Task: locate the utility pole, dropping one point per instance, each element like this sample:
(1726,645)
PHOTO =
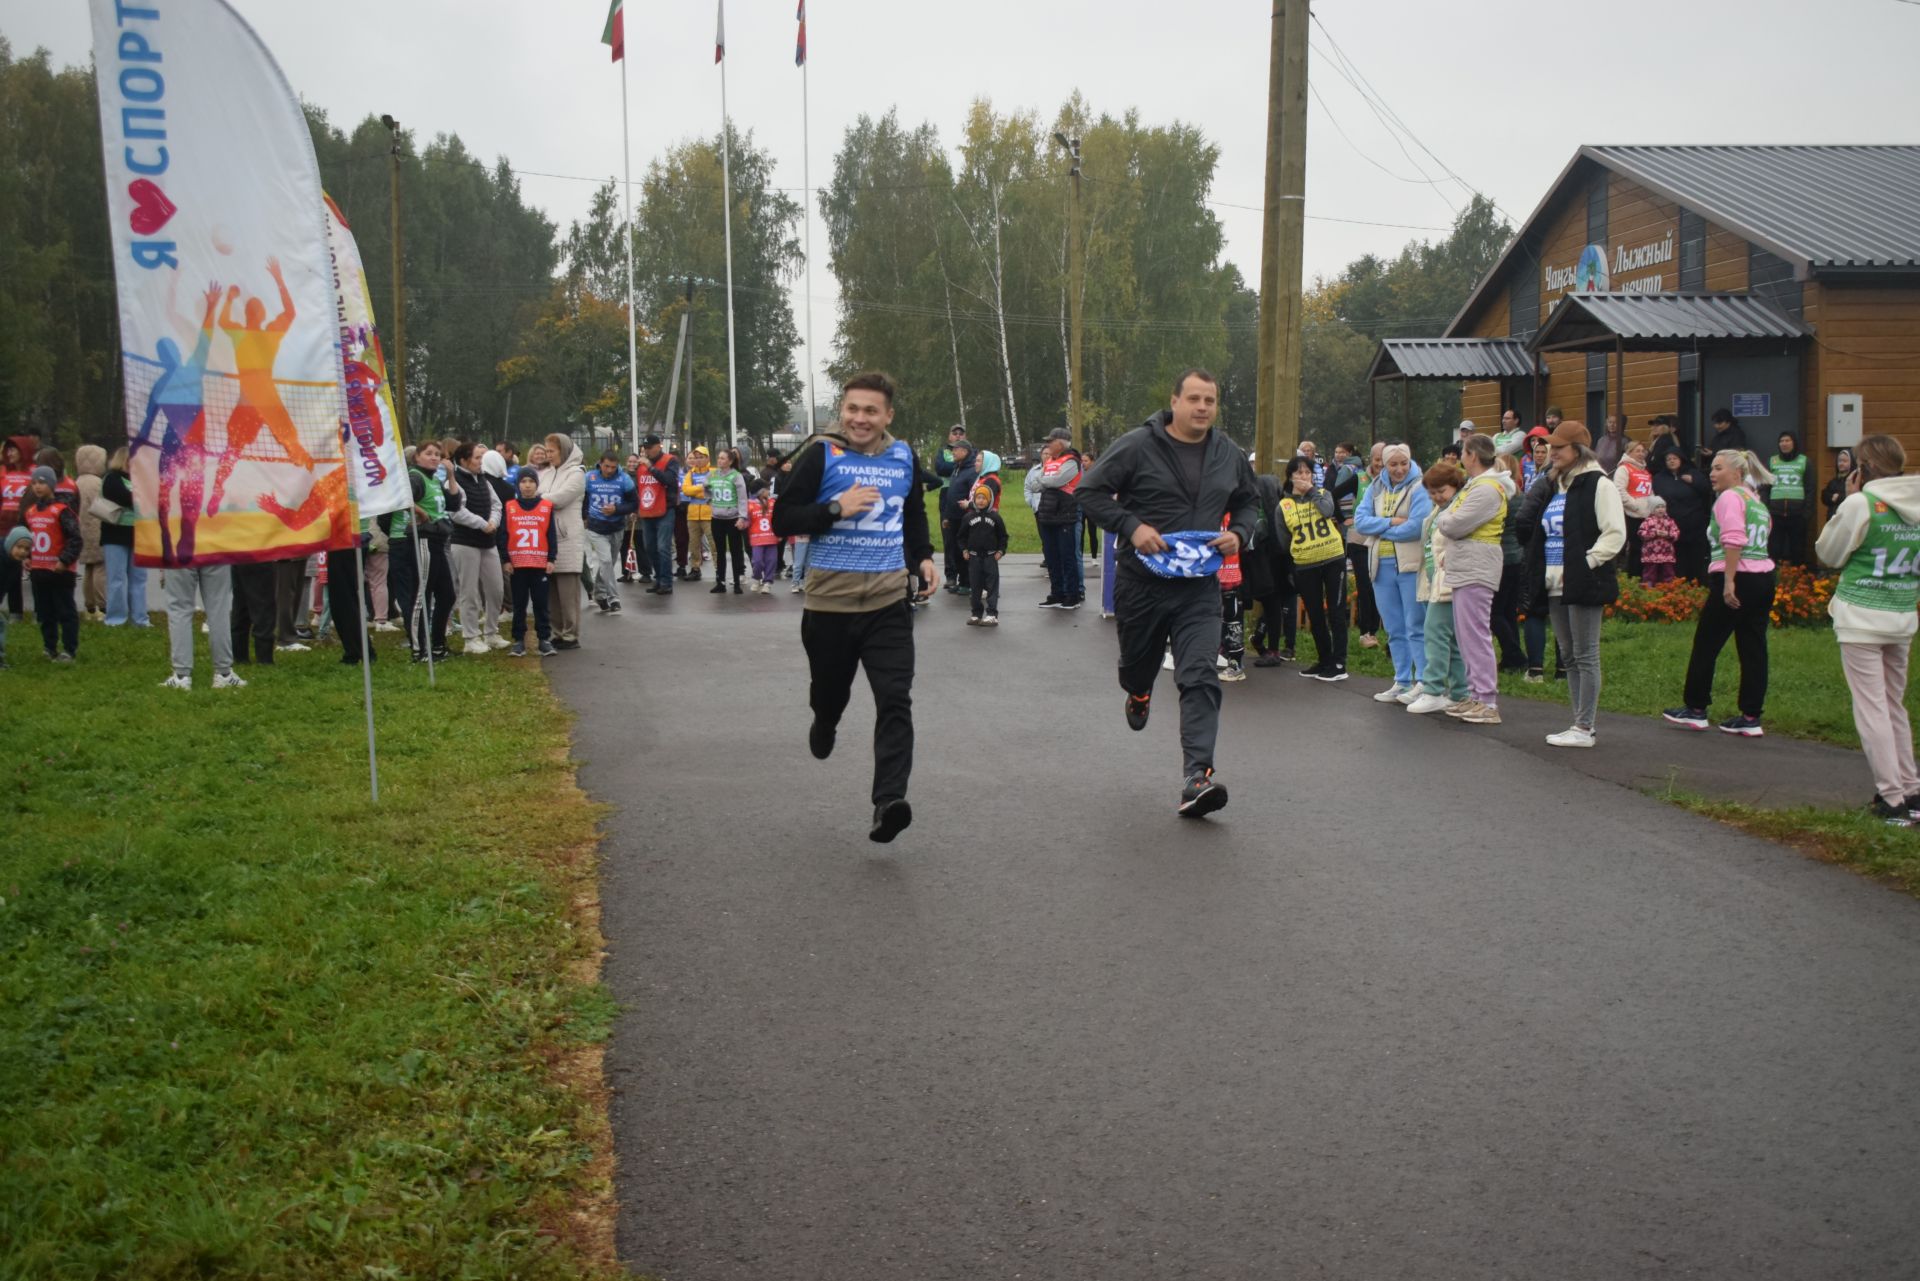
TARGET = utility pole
(1277,418)
(397,368)
(1076,281)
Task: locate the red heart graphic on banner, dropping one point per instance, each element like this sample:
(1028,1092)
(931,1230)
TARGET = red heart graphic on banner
(151,208)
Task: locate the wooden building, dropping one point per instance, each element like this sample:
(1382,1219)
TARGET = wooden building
(1782,283)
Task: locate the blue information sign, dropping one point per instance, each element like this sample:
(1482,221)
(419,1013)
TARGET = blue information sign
(1752,404)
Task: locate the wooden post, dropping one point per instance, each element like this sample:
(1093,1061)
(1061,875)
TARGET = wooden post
(1277,416)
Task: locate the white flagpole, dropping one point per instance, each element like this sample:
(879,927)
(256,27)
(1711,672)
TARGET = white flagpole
(806,217)
(633,357)
(366,652)
(726,211)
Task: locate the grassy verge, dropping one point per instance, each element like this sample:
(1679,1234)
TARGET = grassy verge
(1642,667)
(251,1025)
(1865,844)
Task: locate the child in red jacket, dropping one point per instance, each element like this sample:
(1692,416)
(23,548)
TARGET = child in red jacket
(763,542)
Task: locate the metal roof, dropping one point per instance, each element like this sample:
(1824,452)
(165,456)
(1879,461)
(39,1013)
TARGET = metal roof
(1454,359)
(1820,208)
(1662,322)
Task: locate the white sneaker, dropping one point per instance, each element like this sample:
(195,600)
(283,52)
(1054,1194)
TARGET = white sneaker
(1571,737)
(476,646)
(991,620)
(177,682)
(1233,672)
(228,680)
(1391,694)
(798,588)
(1427,704)
(295,647)
(1408,696)
(497,641)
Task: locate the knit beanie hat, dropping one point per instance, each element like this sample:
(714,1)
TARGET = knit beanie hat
(16,536)
(45,476)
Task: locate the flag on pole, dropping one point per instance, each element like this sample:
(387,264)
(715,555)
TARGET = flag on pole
(369,434)
(800,45)
(615,32)
(228,319)
(720,30)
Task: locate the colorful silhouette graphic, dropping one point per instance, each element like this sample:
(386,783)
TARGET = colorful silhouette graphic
(178,398)
(329,497)
(256,344)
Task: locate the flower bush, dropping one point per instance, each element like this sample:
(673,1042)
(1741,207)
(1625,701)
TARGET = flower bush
(1799,600)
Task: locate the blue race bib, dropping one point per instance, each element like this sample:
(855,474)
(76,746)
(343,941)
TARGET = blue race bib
(1187,555)
(1554,522)
(874,542)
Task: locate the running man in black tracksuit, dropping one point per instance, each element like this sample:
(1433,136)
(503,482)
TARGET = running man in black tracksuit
(857,497)
(1174,473)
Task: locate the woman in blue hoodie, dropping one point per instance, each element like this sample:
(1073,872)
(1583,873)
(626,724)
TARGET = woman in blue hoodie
(1395,508)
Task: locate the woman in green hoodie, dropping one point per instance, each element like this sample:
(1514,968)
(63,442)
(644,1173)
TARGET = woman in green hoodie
(727,496)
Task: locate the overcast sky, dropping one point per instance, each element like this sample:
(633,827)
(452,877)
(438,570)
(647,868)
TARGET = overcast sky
(1501,91)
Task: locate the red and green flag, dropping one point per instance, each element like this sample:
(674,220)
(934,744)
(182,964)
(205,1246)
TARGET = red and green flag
(800,45)
(615,33)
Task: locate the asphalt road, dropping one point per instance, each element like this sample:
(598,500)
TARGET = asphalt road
(1422,1002)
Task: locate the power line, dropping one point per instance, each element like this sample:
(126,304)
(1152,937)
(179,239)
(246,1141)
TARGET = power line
(515,170)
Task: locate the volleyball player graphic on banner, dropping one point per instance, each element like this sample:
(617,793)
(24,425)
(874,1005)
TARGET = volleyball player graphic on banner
(229,317)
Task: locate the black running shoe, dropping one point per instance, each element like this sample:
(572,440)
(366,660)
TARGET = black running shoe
(1892,815)
(1692,718)
(1331,672)
(1313,671)
(1137,709)
(1202,795)
(889,820)
(1267,659)
(820,740)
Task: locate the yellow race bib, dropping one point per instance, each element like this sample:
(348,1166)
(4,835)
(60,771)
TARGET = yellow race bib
(1314,538)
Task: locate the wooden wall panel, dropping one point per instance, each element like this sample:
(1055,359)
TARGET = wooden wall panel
(1636,217)
(1726,261)
(1869,343)
(1481,402)
(1565,236)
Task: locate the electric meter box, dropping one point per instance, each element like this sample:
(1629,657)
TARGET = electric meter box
(1844,414)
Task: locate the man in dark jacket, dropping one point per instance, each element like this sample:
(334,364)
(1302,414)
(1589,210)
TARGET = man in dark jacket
(1174,474)
(857,497)
(963,469)
(1726,435)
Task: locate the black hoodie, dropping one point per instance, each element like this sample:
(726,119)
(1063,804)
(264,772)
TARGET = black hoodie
(1139,481)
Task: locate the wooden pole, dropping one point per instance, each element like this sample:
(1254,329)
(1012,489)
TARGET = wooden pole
(1290,105)
(1270,251)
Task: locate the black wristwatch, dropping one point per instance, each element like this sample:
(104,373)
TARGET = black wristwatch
(833,509)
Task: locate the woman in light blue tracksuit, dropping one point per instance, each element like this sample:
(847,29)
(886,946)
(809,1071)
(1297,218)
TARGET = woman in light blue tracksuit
(1396,507)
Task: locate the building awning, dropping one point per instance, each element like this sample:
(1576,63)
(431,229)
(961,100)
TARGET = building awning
(1452,359)
(1662,322)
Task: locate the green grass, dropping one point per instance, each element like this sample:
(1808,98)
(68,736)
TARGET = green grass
(1022,534)
(251,1025)
(1865,844)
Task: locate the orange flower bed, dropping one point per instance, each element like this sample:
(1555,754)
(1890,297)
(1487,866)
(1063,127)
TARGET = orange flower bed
(1799,600)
